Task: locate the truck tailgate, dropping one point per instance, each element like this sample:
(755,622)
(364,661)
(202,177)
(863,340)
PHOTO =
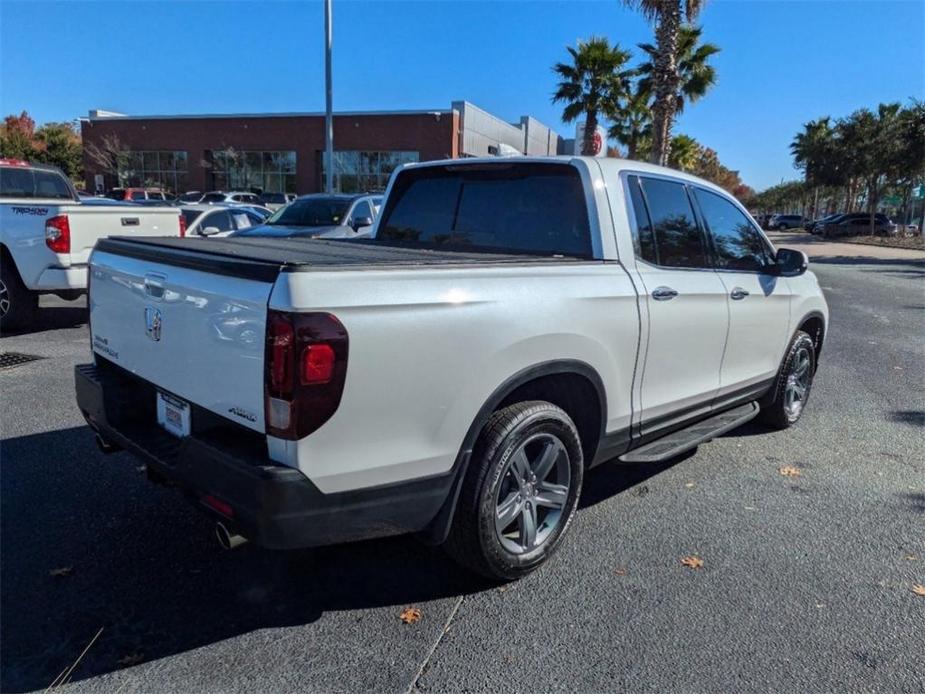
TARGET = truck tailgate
(194,334)
(90,223)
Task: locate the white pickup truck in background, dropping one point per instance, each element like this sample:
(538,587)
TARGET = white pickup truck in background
(46,235)
(512,322)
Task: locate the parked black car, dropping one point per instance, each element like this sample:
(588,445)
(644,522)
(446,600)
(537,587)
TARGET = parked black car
(857,224)
(815,226)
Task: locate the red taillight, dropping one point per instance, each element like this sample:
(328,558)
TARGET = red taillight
(58,234)
(182,226)
(280,348)
(317,364)
(306,366)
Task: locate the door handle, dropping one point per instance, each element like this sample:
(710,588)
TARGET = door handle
(738,293)
(663,293)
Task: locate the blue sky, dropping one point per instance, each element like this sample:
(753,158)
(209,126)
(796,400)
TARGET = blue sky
(782,63)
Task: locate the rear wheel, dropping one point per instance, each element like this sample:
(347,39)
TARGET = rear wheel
(520,491)
(783,407)
(17,304)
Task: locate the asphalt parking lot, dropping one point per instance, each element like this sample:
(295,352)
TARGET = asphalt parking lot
(806,583)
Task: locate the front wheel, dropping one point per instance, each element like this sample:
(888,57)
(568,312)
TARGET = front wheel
(520,491)
(784,405)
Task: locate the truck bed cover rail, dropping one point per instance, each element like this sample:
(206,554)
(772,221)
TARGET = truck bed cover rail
(264,258)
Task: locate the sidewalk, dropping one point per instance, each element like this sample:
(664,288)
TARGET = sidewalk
(815,247)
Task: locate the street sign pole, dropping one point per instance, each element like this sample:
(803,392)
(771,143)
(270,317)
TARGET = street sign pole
(329,100)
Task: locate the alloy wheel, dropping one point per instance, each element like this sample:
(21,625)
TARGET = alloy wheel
(532,494)
(798,382)
(4,299)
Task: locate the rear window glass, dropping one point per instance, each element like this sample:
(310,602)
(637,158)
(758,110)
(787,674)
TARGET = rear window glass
(33,183)
(312,212)
(529,208)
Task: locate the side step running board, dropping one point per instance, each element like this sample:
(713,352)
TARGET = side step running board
(690,437)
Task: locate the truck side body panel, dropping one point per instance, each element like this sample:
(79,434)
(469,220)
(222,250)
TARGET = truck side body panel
(419,373)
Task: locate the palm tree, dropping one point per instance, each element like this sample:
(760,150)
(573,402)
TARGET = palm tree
(697,76)
(632,125)
(668,16)
(595,83)
(685,151)
(811,151)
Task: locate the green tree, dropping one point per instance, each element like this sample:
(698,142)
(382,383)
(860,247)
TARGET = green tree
(697,76)
(685,153)
(594,84)
(668,17)
(813,152)
(59,144)
(632,125)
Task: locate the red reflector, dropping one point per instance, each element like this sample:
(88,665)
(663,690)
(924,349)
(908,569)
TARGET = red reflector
(317,364)
(218,505)
(182,226)
(58,234)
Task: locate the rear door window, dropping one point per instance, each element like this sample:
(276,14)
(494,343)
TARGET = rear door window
(736,242)
(679,241)
(519,208)
(138,195)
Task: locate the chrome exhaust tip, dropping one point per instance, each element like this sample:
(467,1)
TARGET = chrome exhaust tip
(228,539)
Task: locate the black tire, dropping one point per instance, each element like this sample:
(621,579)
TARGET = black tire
(17,304)
(474,541)
(777,407)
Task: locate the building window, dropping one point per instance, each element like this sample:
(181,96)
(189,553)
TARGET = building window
(155,169)
(264,172)
(364,172)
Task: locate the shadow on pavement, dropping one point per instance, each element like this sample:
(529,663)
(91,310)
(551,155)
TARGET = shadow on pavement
(73,315)
(144,565)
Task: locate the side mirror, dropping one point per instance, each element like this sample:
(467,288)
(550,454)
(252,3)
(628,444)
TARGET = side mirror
(791,263)
(361,222)
(209,231)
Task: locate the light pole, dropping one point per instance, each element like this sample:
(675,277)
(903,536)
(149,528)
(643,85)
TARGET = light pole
(328,98)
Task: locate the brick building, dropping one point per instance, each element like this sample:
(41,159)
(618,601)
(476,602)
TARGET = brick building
(285,152)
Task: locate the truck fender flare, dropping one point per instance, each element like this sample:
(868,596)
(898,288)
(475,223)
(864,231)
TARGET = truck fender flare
(438,529)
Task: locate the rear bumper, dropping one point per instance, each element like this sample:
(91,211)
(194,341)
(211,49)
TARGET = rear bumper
(273,506)
(56,279)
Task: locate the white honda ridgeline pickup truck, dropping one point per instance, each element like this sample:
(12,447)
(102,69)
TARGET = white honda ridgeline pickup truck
(512,323)
(47,233)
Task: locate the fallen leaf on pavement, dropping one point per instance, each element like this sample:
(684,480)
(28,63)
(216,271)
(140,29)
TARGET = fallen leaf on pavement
(789,471)
(620,572)
(919,590)
(911,557)
(131,659)
(61,571)
(410,615)
(689,485)
(692,562)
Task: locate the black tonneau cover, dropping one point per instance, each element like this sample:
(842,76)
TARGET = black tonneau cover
(264,258)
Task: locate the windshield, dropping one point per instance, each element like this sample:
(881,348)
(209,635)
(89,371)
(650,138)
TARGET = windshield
(33,183)
(311,212)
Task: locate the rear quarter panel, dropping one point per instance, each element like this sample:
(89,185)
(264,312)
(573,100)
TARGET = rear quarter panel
(429,346)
